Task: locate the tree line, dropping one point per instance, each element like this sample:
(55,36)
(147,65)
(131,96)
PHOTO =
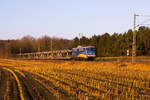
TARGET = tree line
(28,44)
(116,44)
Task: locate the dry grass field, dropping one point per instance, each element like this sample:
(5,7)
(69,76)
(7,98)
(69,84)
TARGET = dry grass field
(73,80)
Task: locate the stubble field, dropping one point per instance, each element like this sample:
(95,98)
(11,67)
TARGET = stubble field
(73,80)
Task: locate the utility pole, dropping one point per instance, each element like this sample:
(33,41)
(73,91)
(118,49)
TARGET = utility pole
(20,52)
(79,38)
(39,49)
(134,40)
(134,36)
(51,47)
(80,35)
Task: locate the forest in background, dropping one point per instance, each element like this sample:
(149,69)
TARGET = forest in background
(116,44)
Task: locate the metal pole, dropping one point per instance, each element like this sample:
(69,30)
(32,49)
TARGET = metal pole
(20,52)
(80,35)
(51,47)
(134,40)
(39,48)
(79,38)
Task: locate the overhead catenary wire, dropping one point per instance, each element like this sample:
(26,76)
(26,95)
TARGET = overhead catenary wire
(142,23)
(144,15)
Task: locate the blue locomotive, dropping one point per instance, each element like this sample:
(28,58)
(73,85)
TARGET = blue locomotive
(88,52)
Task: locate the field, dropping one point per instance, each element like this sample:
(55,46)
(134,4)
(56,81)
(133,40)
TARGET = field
(73,80)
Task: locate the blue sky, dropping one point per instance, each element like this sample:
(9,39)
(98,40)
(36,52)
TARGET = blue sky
(68,18)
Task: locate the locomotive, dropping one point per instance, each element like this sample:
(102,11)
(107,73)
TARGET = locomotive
(87,52)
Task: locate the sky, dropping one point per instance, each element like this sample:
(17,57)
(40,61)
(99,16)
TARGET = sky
(68,18)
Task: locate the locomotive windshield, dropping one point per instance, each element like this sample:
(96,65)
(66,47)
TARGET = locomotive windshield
(90,50)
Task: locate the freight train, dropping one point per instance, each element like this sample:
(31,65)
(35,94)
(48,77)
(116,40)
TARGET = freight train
(81,52)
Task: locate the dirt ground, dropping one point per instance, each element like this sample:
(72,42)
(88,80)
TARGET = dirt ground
(73,80)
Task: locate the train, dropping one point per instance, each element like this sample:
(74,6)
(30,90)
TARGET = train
(78,53)
(87,52)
